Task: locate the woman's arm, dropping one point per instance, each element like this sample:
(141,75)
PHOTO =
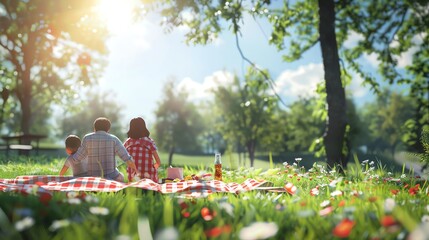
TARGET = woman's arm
(158,161)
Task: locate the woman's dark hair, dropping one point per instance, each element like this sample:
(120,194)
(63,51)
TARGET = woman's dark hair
(138,128)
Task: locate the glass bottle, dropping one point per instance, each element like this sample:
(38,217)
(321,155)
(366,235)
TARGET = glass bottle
(218,167)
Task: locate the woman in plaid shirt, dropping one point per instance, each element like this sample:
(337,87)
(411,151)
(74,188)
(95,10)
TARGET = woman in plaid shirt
(143,150)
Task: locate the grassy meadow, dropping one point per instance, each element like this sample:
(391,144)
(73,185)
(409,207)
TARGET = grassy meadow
(369,202)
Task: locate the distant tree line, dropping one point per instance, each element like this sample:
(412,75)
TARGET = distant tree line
(245,116)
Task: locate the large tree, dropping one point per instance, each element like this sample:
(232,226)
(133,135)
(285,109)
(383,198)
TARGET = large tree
(80,120)
(311,22)
(325,23)
(246,110)
(393,32)
(178,124)
(51,47)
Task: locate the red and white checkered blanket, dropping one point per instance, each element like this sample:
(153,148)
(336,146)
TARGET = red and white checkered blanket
(96,184)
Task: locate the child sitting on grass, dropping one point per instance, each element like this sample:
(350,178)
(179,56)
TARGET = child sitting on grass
(79,168)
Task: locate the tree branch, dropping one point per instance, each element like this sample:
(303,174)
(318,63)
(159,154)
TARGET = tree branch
(268,79)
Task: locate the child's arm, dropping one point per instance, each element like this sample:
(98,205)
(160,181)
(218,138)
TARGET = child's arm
(63,170)
(158,161)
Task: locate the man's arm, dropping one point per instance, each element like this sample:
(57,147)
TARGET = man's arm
(122,152)
(80,154)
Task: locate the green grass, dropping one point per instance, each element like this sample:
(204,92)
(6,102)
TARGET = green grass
(362,196)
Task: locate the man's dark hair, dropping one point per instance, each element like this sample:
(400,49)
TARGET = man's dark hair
(73,142)
(102,124)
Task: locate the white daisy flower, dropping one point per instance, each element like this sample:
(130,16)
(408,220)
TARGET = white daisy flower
(24,223)
(258,230)
(57,224)
(389,204)
(99,211)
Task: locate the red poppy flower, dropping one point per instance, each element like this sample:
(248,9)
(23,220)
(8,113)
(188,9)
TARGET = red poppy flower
(207,214)
(414,190)
(342,203)
(45,198)
(290,188)
(186,214)
(388,220)
(394,191)
(217,231)
(372,199)
(343,228)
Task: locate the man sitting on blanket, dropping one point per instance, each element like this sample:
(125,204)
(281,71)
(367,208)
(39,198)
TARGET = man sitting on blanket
(100,148)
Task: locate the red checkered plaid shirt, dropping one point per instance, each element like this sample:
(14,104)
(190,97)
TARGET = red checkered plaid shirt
(142,152)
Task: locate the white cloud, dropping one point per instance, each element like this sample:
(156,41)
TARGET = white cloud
(356,87)
(202,91)
(303,81)
(372,59)
(406,58)
(352,39)
(300,82)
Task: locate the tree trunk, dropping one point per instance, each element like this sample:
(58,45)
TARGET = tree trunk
(251,151)
(170,156)
(336,122)
(26,103)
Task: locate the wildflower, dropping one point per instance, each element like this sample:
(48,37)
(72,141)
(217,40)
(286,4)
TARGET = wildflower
(57,224)
(169,233)
(75,201)
(420,232)
(343,228)
(365,162)
(217,231)
(425,218)
(314,191)
(99,211)
(336,193)
(91,199)
(388,221)
(285,164)
(394,191)
(45,197)
(389,204)
(333,183)
(325,203)
(25,223)
(185,214)
(298,160)
(403,176)
(280,207)
(326,211)
(290,188)
(227,207)
(207,214)
(372,199)
(342,203)
(259,230)
(414,190)
(72,194)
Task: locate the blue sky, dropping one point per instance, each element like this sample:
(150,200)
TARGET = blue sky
(142,58)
